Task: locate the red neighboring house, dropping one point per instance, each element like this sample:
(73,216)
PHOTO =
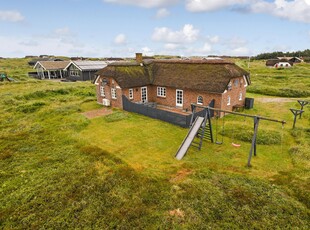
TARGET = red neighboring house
(173,84)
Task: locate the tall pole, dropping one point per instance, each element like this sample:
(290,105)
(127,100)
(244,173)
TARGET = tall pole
(253,146)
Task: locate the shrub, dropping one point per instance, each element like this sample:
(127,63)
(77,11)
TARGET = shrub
(30,108)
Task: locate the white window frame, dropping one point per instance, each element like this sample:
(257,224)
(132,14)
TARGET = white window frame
(228,100)
(113,93)
(102,91)
(240,96)
(142,89)
(179,101)
(200,102)
(130,93)
(161,91)
(245,81)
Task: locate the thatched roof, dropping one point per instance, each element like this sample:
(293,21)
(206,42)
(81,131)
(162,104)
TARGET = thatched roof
(127,76)
(203,75)
(52,65)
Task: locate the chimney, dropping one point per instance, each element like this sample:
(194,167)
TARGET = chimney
(139,58)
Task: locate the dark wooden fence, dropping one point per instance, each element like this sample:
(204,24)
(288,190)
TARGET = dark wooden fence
(150,110)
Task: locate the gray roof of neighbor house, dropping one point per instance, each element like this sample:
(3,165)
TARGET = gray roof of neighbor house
(52,65)
(203,75)
(88,65)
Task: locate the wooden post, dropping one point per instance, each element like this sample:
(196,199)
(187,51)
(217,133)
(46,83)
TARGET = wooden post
(302,104)
(193,107)
(253,146)
(296,112)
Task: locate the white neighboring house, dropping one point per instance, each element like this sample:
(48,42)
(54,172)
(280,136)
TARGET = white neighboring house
(276,63)
(283,64)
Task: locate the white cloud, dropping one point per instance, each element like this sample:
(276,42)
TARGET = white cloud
(240,51)
(294,10)
(206,48)
(187,34)
(213,39)
(211,5)
(171,46)
(11,16)
(120,39)
(147,51)
(64,32)
(144,3)
(162,13)
(26,45)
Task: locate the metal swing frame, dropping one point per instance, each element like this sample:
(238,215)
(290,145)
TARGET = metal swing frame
(256,119)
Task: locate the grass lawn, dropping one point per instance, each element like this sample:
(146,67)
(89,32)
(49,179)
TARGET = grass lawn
(60,170)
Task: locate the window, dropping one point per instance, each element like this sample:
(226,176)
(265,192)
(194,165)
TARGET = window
(130,93)
(236,82)
(74,71)
(144,94)
(245,81)
(240,96)
(113,93)
(199,100)
(161,91)
(228,100)
(179,97)
(229,85)
(102,92)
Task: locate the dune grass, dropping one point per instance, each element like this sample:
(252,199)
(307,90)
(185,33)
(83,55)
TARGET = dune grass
(60,170)
(291,82)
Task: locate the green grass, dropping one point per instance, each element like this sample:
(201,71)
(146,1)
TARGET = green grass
(60,170)
(16,68)
(291,82)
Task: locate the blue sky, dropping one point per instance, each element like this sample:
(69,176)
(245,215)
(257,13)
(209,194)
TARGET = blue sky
(120,28)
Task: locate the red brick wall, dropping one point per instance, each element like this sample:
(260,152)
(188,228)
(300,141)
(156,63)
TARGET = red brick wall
(117,103)
(189,96)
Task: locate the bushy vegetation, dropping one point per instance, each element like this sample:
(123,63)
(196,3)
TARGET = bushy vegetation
(291,82)
(60,170)
(305,53)
(16,68)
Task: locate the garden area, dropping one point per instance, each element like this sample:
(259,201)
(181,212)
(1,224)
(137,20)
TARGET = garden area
(62,169)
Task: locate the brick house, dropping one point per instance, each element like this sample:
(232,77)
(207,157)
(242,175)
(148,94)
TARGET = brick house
(173,83)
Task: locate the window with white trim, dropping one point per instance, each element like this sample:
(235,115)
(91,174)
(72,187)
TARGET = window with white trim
(228,100)
(240,96)
(102,92)
(161,91)
(179,97)
(113,93)
(199,100)
(130,93)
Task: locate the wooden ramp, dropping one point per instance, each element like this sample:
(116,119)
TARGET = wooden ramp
(189,138)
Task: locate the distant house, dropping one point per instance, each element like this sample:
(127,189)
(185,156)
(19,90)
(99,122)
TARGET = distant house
(35,60)
(279,63)
(291,59)
(173,84)
(51,69)
(83,70)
